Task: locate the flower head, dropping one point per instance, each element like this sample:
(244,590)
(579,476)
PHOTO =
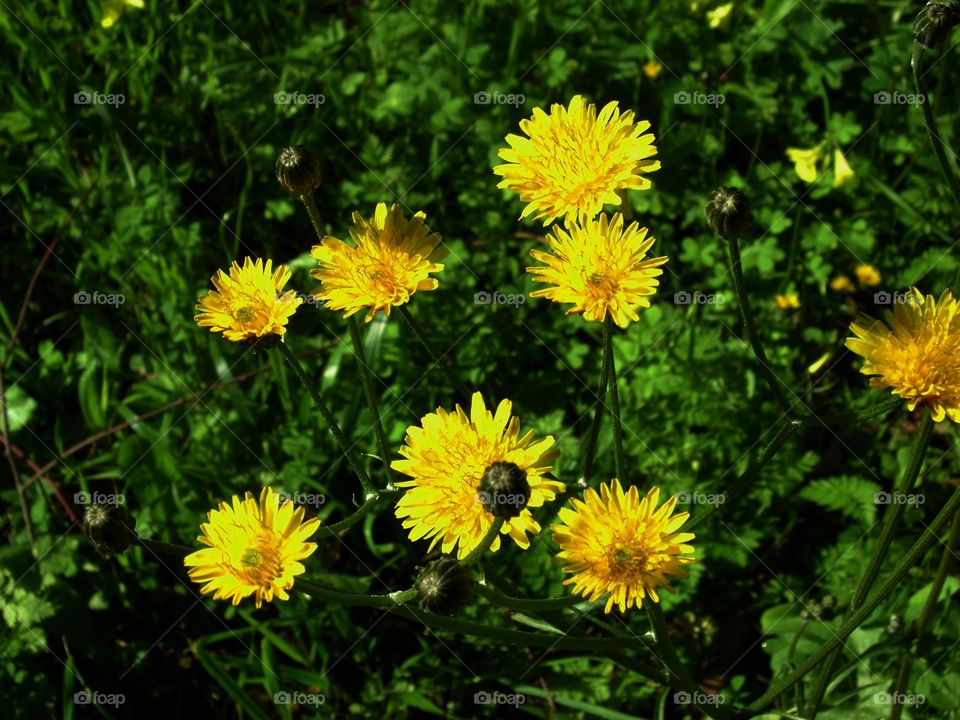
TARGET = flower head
(254,548)
(842,284)
(916,353)
(391,259)
(249,302)
(113,9)
(719,15)
(574,160)
(790,301)
(867,275)
(448,457)
(842,172)
(805,162)
(615,542)
(652,69)
(601,267)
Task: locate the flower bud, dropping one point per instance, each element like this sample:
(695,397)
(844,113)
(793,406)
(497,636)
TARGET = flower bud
(109,528)
(504,490)
(444,586)
(728,212)
(298,171)
(935,22)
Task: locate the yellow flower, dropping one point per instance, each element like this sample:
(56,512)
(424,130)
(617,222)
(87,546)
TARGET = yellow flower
(918,355)
(842,172)
(805,162)
(113,9)
(614,542)
(652,69)
(788,301)
(867,275)
(842,284)
(391,259)
(573,160)
(449,455)
(254,549)
(719,15)
(249,302)
(600,267)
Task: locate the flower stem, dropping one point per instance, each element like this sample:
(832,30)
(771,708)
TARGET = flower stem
(614,397)
(366,380)
(890,519)
(666,648)
(749,325)
(314,214)
(902,681)
(442,360)
(485,543)
(514,603)
(368,490)
(933,130)
(598,410)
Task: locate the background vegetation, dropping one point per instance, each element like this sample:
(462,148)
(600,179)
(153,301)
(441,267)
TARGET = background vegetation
(146,199)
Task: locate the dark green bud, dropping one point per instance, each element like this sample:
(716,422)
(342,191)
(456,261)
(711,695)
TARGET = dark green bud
(935,22)
(109,528)
(444,586)
(298,171)
(728,212)
(504,491)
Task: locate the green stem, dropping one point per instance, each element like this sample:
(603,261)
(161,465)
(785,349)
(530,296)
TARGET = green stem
(670,658)
(162,548)
(890,519)
(749,325)
(933,129)
(598,410)
(851,418)
(902,682)
(514,603)
(311,206)
(912,557)
(614,397)
(366,380)
(368,490)
(353,519)
(442,360)
(485,543)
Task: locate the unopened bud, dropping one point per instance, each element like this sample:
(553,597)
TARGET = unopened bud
(728,212)
(504,490)
(109,528)
(935,22)
(298,171)
(444,586)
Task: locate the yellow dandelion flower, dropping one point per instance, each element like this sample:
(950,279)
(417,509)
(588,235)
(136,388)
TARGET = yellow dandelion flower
(574,160)
(916,352)
(450,455)
(254,549)
(790,301)
(249,302)
(391,259)
(720,15)
(842,284)
(652,69)
(867,275)
(600,267)
(113,9)
(614,542)
(805,162)
(842,172)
